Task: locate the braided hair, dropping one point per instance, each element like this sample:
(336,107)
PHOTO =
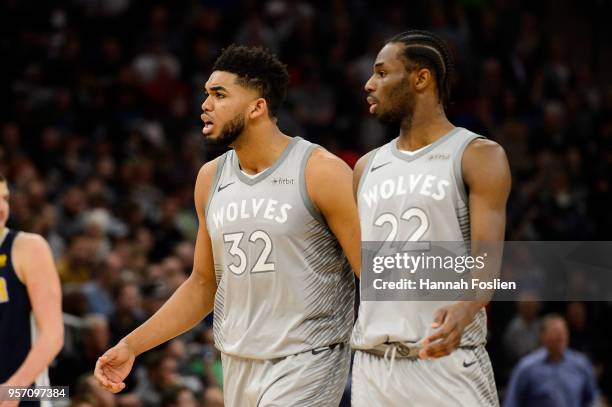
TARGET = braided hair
(423,49)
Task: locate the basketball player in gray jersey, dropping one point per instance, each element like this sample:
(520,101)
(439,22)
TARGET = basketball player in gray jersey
(276,214)
(435,182)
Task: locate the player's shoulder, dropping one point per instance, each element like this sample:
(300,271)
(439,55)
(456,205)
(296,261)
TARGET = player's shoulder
(481,147)
(30,242)
(204,180)
(484,153)
(27,248)
(324,174)
(208,169)
(321,160)
(363,162)
(364,159)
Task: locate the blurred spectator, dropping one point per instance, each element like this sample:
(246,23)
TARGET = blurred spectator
(83,401)
(173,273)
(94,340)
(581,335)
(166,234)
(80,260)
(522,335)
(162,376)
(179,397)
(88,391)
(554,375)
(213,397)
(99,290)
(128,313)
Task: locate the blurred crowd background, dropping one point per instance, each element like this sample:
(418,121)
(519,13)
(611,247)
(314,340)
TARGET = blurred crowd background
(100,138)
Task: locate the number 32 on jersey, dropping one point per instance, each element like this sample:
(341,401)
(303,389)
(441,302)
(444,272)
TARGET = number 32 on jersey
(240,263)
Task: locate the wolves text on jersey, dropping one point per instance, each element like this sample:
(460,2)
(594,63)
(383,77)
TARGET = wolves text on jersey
(427,185)
(251,208)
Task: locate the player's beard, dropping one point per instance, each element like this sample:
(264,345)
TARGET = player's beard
(229,133)
(401,101)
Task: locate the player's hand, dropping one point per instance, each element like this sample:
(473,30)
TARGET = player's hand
(450,321)
(114,366)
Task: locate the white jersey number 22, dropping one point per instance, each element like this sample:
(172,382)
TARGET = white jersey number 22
(391,219)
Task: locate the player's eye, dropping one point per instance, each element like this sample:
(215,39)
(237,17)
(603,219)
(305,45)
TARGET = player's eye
(220,96)
(382,74)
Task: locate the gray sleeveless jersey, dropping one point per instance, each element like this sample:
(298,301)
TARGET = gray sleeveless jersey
(424,195)
(283,283)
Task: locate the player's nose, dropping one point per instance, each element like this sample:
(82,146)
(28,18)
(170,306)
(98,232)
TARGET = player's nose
(207,105)
(369,86)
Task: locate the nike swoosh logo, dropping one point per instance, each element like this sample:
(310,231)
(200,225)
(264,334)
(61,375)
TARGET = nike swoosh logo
(221,188)
(320,350)
(468,364)
(379,166)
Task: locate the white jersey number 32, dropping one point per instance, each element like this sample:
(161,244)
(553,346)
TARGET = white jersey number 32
(262,263)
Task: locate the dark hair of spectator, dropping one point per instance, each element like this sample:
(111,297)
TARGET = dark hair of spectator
(424,49)
(2,179)
(257,69)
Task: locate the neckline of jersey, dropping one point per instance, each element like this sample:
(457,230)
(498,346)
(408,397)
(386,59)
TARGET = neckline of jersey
(265,173)
(424,150)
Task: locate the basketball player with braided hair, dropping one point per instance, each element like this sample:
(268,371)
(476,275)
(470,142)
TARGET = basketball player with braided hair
(434,182)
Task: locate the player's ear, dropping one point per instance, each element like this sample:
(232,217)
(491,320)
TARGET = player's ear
(422,79)
(258,108)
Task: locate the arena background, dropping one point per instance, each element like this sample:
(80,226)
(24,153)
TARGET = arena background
(101,141)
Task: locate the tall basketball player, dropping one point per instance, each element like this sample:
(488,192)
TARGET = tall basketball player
(31,327)
(275,214)
(425,353)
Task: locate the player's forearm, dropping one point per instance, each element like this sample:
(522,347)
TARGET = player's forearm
(44,350)
(191,302)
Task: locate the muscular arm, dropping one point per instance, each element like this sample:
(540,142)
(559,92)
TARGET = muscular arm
(486,174)
(488,193)
(193,300)
(34,266)
(329,184)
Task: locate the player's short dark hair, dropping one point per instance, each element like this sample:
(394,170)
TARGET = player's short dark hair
(256,68)
(424,49)
(2,178)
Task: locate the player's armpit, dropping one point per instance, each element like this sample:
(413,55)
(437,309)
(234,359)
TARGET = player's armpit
(329,182)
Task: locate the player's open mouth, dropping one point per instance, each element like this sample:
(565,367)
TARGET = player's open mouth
(208,126)
(373,103)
